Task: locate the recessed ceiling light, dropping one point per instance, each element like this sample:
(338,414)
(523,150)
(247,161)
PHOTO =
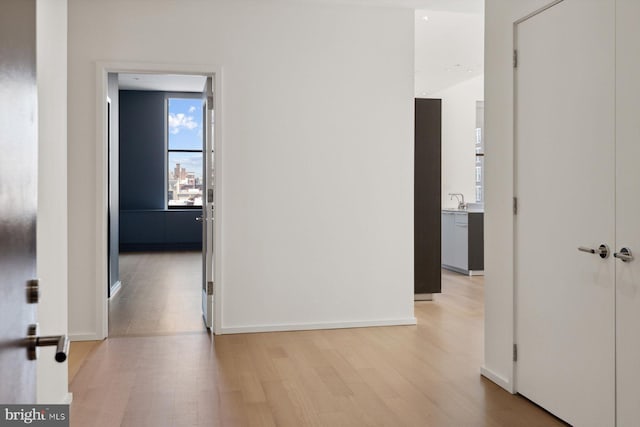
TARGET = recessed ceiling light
(425,17)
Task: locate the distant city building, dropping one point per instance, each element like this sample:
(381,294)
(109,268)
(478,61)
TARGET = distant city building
(179,172)
(185,188)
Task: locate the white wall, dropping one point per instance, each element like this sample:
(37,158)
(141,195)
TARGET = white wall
(52,192)
(317,152)
(459,138)
(499,18)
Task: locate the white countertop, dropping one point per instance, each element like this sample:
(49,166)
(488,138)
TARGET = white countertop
(456,210)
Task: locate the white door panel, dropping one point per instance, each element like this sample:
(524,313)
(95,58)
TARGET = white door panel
(564,182)
(208,224)
(627,212)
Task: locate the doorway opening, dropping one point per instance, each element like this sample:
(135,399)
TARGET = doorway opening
(160,174)
(449,151)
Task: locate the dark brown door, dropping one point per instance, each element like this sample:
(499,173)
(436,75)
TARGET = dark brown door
(18,181)
(427,189)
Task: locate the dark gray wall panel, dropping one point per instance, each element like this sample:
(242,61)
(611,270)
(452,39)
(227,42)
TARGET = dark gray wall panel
(142,150)
(427,199)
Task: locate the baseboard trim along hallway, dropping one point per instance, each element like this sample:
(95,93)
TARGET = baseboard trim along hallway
(316,326)
(499,380)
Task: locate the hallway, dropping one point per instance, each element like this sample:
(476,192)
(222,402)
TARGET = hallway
(424,375)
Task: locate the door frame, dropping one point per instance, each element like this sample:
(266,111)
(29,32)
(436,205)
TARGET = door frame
(102,180)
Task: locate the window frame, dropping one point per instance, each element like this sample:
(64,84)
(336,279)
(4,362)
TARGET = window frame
(180,95)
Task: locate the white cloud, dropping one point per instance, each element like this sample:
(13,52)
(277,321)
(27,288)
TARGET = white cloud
(181,121)
(192,109)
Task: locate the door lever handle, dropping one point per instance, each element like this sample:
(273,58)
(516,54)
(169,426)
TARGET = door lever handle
(602,251)
(625,255)
(199,218)
(34,341)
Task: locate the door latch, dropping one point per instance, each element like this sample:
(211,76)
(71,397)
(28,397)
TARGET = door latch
(625,255)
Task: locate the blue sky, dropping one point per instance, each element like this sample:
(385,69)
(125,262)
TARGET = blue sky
(185,123)
(185,132)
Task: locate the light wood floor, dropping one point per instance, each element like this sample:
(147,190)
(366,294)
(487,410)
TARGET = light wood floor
(79,352)
(160,294)
(424,375)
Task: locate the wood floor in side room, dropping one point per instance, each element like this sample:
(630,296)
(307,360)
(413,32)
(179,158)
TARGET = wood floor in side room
(160,294)
(424,375)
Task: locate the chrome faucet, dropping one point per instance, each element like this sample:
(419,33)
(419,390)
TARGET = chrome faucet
(461,203)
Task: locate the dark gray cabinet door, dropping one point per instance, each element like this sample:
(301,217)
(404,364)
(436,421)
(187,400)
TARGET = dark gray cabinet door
(18,196)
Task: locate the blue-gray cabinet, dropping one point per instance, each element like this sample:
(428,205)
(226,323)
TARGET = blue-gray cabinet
(463,241)
(147,230)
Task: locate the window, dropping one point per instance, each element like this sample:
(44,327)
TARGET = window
(184,152)
(479,152)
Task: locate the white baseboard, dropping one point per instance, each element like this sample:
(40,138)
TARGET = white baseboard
(84,337)
(115,289)
(66,399)
(498,379)
(315,326)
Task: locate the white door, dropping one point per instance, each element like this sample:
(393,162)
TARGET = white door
(564,182)
(208,198)
(628,212)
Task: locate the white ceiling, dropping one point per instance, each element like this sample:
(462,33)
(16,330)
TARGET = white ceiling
(162,82)
(449,48)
